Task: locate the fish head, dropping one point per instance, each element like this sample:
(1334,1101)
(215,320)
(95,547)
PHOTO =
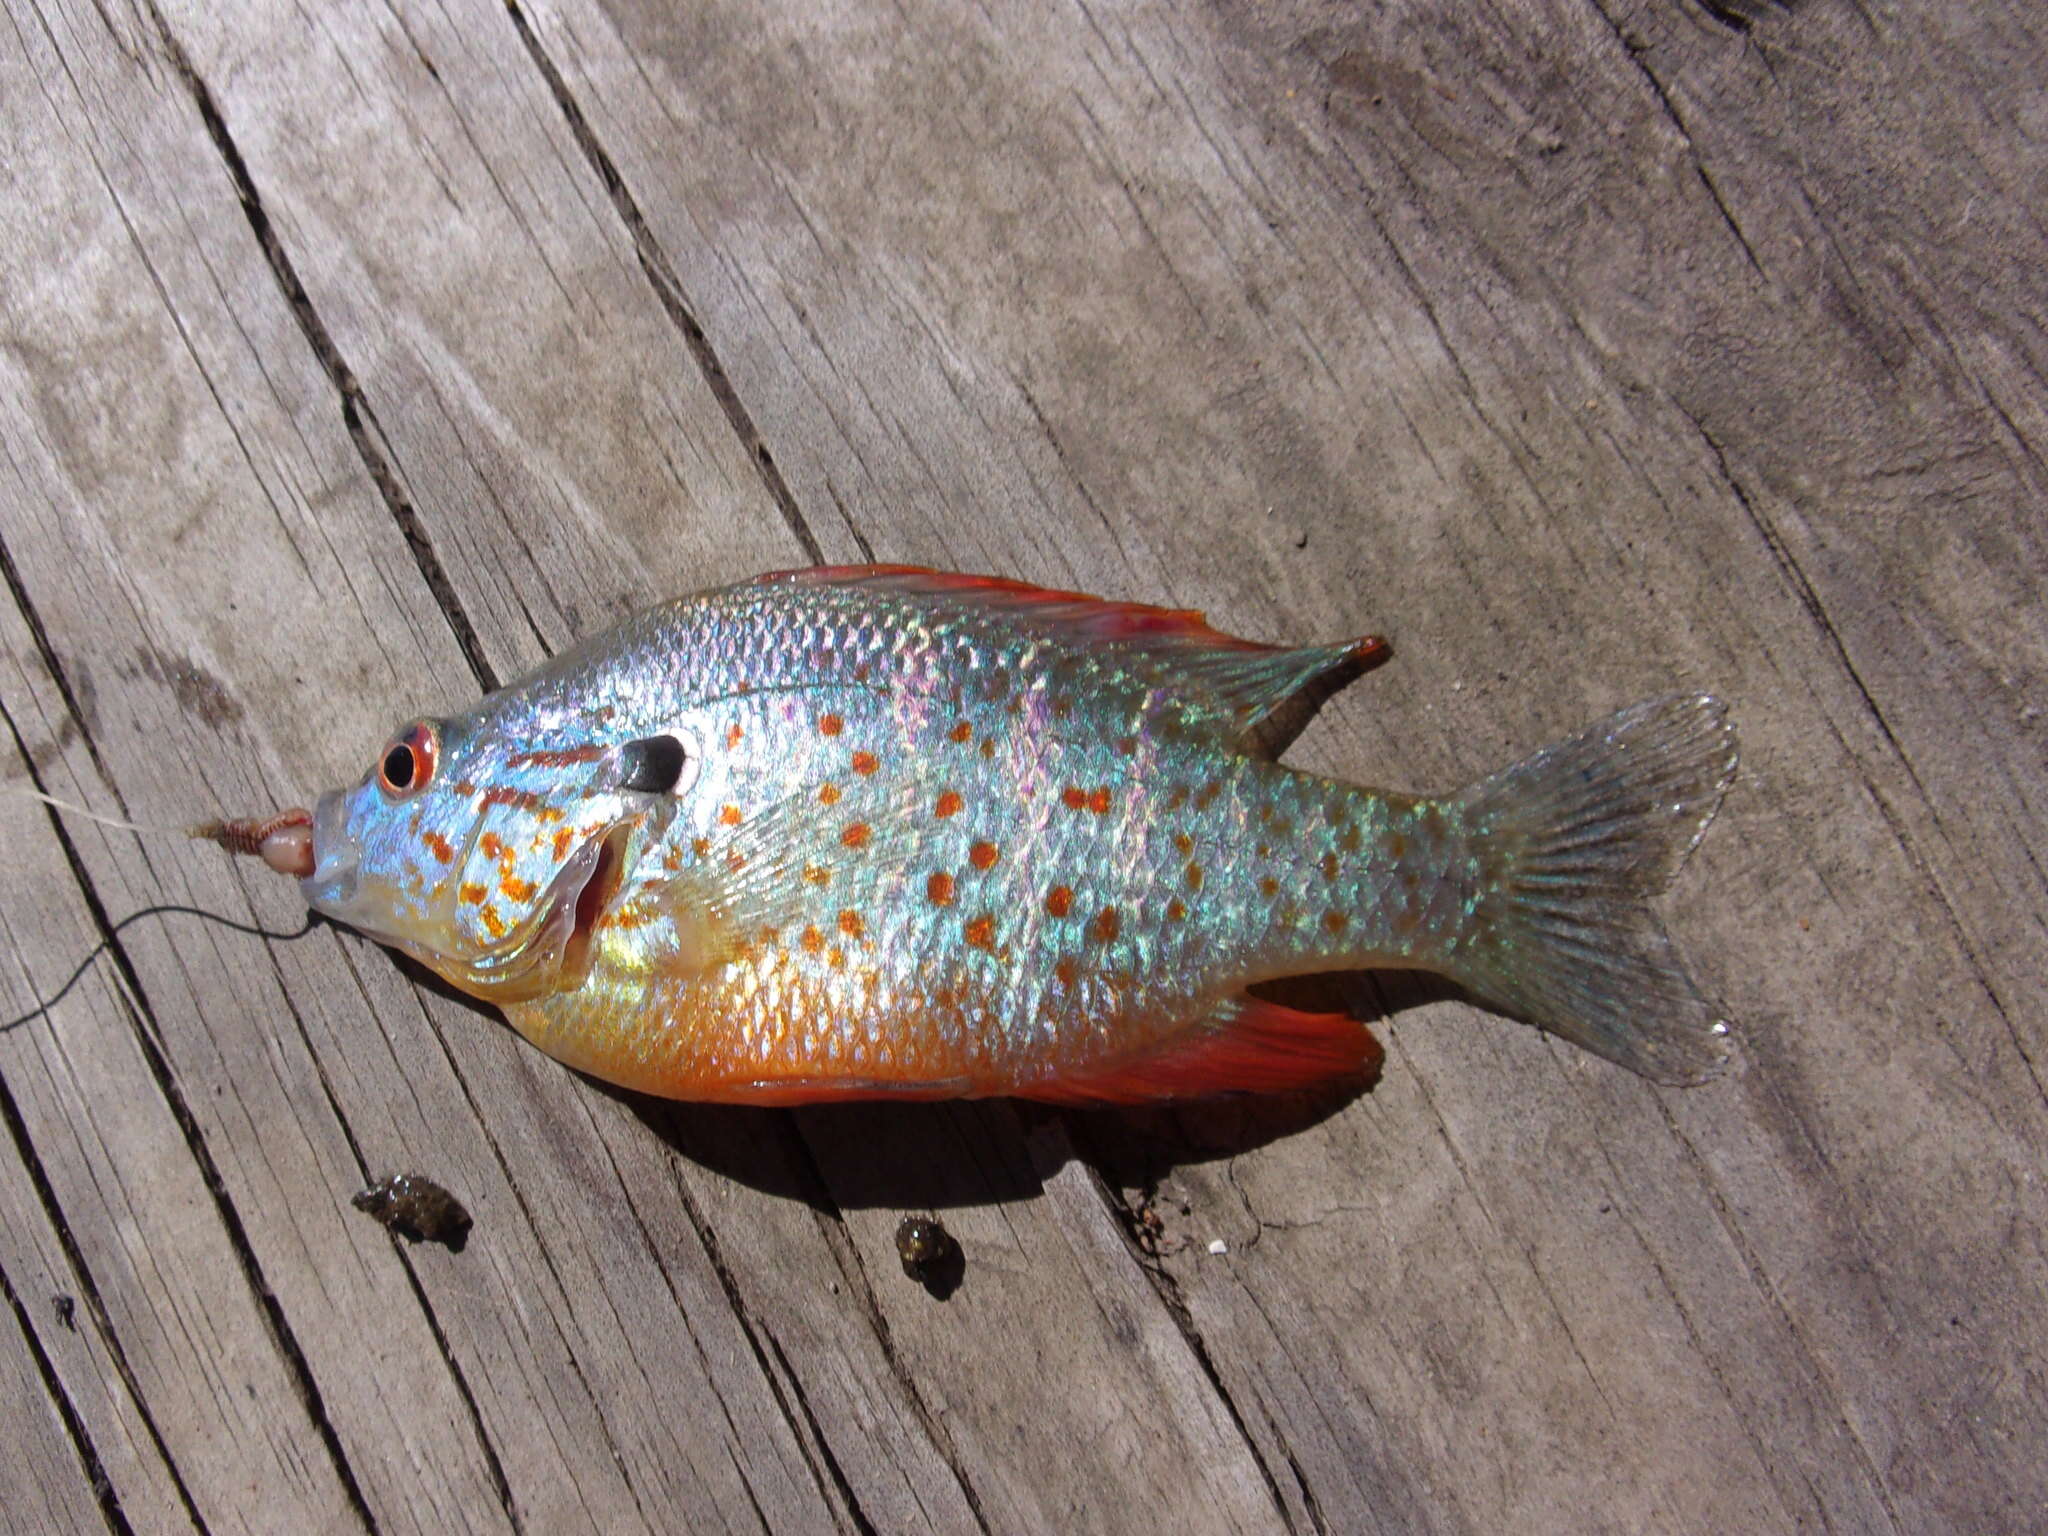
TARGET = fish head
(489,854)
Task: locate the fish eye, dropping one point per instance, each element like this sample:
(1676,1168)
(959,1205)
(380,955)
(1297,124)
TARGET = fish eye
(408,763)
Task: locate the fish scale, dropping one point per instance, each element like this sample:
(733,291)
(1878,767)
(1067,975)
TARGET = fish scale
(882,831)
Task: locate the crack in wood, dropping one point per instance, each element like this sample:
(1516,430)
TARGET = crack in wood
(1634,48)
(357,414)
(500,1483)
(845,1253)
(81,1439)
(1167,1288)
(1831,637)
(668,288)
(753,1332)
(149,1038)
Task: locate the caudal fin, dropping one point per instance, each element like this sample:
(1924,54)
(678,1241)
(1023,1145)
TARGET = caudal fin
(1581,836)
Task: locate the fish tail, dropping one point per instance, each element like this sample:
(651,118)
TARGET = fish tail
(1572,844)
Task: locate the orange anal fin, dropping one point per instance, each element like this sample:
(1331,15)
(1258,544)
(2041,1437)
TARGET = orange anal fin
(1248,1045)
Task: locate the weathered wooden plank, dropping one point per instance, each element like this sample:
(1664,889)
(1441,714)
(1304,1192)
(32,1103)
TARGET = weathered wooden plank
(1591,349)
(468,80)
(37,1493)
(1472,262)
(417,1364)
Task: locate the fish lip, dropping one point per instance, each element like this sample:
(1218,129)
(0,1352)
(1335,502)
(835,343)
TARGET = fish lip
(337,859)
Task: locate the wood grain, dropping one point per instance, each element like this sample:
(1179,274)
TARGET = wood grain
(355,359)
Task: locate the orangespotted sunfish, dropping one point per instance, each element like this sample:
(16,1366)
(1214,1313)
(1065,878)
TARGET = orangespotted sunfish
(886,832)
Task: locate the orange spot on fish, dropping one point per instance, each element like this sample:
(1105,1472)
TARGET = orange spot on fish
(729,816)
(1128,745)
(1098,801)
(1177,797)
(835,957)
(564,836)
(817,874)
(700,846)
(492,921)
(463,788)
(864,763)
(1328,865)
(1183,842)
(589,752)
(939,887)
(437,845)
(471,893)
(1349,839)
(733,736)
(1175,911)
(499,794)
(1066,973)
(1397,846)
(493,849)
(850,924)
(1059,901)
(988,746)
(949,804)
(981,932)
(812,941)
(856,835)
(1208,792)
(831,725)
(516,888)
(961,732)
(1268,886)
(828,794)
(672,860)
(982,855)
(1335,921)
(1074,796)
(1194,876)
(1106,925)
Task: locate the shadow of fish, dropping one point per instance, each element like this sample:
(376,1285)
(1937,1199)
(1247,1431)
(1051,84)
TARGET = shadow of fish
(881,831)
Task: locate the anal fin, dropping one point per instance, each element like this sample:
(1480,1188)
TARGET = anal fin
(1246,1045)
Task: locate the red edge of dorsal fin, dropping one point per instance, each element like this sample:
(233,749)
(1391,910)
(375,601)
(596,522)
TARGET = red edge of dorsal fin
(1248,1045)
(1097,618)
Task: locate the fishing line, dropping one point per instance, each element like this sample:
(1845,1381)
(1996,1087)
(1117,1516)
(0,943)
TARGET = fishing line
(106,943)
(229,835)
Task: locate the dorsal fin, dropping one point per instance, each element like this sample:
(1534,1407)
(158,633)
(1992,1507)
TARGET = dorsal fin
(1246,1045)
(1243,680)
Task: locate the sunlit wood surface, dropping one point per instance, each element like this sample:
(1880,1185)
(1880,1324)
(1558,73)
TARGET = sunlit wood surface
(353,357)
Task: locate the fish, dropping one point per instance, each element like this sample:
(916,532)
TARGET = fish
(889,832)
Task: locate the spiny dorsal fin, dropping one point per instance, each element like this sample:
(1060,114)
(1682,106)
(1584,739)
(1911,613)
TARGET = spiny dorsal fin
(1243,680)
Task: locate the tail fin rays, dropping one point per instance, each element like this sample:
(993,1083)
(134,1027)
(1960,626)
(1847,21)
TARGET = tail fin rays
(1580,837)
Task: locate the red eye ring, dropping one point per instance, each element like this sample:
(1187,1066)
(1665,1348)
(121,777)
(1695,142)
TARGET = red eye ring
(407,765)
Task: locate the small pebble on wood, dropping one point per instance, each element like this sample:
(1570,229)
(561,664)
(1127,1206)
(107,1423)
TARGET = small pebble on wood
(929,1254)
(415,1207)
